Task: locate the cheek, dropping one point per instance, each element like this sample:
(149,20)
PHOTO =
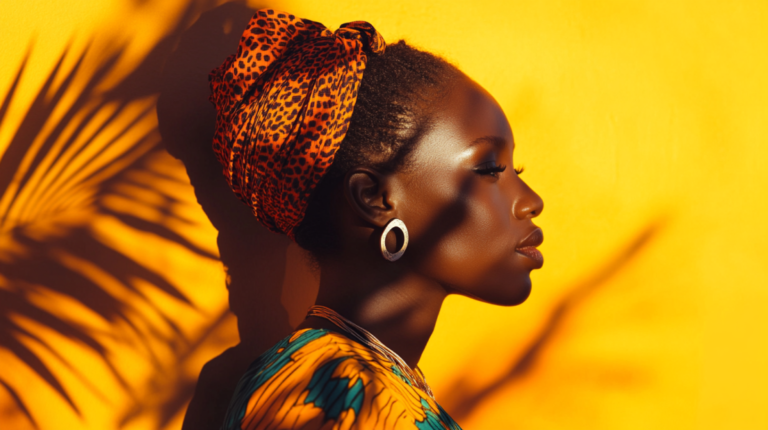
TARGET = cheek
(479,242)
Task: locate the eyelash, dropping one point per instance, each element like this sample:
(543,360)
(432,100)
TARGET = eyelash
(495,170)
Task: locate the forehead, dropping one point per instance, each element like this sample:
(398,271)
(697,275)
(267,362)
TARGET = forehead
(466,114)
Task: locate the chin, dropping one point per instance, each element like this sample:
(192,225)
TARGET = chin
(504,295)
(520,295)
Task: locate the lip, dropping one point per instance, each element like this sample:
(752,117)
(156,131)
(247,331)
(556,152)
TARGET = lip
(527,246)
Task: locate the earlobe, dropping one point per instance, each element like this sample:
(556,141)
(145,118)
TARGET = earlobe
(366,191)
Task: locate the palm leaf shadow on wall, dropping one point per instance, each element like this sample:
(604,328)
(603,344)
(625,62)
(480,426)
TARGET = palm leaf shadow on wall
(69,167)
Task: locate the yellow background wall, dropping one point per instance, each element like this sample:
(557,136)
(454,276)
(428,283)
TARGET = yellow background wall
(643,125)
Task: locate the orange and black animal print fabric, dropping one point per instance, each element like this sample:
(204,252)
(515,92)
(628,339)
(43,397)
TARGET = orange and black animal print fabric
(284,103)
(318,379)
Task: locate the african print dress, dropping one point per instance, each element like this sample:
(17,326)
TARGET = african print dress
(319,379)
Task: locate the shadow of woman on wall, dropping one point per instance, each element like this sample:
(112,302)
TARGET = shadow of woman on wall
(254,258)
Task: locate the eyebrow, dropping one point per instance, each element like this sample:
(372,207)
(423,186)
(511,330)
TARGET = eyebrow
(497,141)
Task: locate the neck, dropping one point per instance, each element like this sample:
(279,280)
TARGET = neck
(400,309)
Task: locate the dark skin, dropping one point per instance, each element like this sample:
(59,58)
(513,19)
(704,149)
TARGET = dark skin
(469,217)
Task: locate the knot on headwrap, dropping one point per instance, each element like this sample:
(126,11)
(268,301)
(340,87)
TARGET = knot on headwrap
(284,103)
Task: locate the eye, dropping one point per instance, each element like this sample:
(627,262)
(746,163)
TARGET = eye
(519,170)
(490,168)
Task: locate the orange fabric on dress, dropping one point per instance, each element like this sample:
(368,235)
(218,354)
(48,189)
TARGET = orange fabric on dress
(284,102)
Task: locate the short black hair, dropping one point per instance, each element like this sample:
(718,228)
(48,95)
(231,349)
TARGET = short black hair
(390,115)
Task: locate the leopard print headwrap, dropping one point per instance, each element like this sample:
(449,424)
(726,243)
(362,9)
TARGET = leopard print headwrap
(284,103)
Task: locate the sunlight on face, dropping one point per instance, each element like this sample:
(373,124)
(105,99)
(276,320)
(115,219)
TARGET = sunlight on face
(466,207)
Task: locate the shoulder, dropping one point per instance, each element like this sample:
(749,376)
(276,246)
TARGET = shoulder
(317,378)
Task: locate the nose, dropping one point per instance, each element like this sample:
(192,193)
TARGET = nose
(528,204)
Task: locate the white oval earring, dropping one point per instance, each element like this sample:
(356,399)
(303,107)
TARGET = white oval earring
(393,256)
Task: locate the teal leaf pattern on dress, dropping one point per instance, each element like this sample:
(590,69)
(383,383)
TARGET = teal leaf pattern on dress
(399,373)
(436,421)
(334,395)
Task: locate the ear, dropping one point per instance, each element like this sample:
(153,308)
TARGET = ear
(367,192)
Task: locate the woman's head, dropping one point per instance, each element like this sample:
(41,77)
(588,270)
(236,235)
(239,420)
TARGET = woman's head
(427,145)
(467,212)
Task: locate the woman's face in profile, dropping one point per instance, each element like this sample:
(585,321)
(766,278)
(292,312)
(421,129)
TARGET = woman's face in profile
(468,213)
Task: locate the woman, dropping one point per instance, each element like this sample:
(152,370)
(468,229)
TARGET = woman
(389,166)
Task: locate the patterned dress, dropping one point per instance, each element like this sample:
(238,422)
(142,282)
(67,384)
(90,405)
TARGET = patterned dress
(320,379)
